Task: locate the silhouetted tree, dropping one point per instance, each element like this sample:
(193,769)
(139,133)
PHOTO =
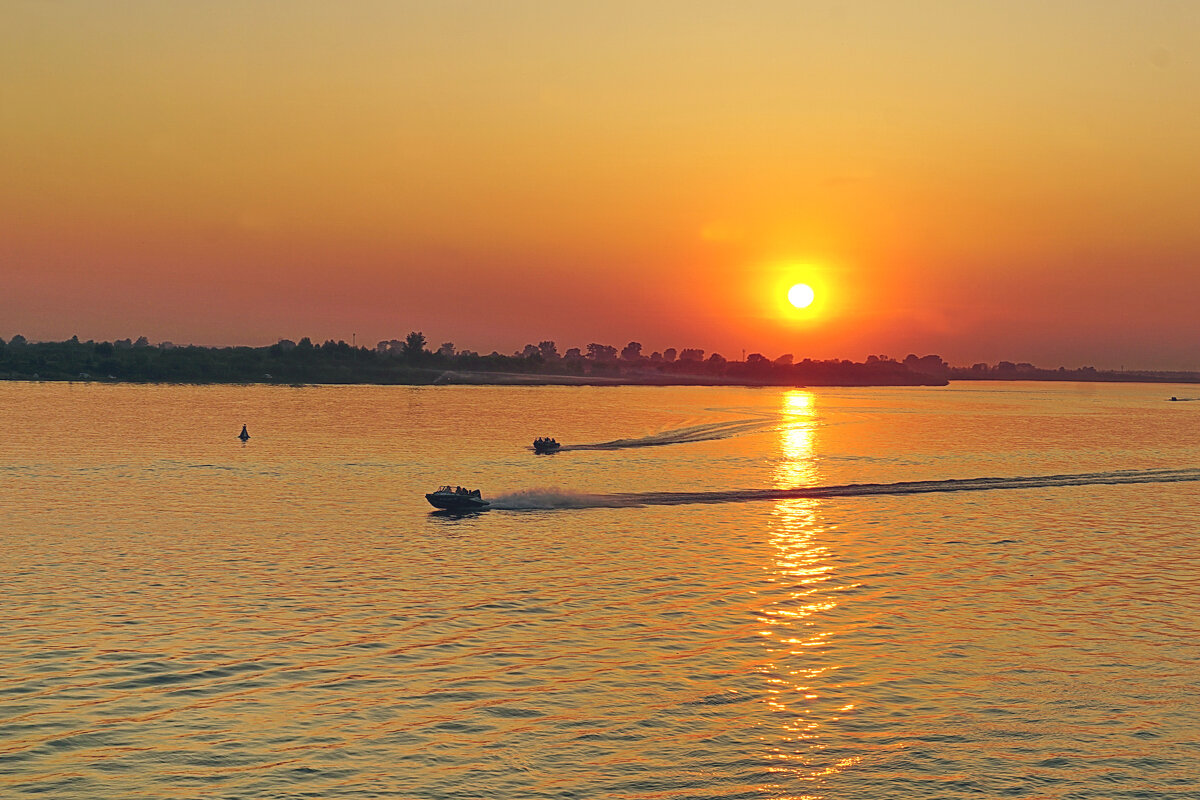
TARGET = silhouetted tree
(549,350)
(929,365)
(669,354)
(631,351)
(414,346)
(691,354)
(784,360)
(446,350)
(601,353)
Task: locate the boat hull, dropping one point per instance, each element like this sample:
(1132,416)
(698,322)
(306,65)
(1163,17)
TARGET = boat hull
(452,502)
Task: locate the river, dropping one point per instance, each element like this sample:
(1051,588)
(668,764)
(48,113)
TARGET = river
(654,612)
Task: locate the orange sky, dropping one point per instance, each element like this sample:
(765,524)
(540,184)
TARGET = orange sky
(984,181)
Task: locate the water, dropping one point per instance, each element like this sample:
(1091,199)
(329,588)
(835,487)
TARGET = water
(660,617)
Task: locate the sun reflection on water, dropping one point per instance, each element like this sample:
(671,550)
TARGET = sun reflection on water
(794,637)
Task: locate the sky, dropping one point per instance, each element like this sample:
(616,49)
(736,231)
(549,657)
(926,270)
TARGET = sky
(984,181)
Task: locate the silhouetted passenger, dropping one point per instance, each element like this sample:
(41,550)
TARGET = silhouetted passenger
(245,434)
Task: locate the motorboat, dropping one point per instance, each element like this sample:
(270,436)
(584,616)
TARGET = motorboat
(456,498)
(544,444)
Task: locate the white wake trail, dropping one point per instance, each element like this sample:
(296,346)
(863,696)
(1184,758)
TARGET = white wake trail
(550,498)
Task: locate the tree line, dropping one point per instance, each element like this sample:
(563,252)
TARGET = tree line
(412,360)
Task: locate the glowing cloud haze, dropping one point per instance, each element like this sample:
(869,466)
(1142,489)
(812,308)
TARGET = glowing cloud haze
(981,180)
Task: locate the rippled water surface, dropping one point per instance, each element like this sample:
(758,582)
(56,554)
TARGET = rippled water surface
(655,615)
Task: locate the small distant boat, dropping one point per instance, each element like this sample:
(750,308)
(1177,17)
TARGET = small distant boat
(544,444)
(456,498)
(244,435)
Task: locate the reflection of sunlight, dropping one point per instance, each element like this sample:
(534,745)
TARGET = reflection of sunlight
(794,636)
(797,465)
(796,441)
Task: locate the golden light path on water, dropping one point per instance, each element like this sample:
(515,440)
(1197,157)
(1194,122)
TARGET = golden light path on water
(802,567)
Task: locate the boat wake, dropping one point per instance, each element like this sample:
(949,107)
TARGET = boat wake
(542,499)
(707,432)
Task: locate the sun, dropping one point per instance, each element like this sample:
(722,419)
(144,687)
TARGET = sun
(801,295)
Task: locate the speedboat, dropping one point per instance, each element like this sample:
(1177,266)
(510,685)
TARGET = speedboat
(543,445)
(456,498)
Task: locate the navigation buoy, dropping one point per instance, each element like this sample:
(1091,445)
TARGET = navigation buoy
(245,434)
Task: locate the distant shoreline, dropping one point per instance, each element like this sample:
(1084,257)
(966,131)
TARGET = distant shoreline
(491,379)
(516,379)
(409,363)
(457,378)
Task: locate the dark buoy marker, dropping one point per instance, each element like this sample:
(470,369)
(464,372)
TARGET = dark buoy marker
(245,434)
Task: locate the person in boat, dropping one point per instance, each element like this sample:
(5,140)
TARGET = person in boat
(245,434)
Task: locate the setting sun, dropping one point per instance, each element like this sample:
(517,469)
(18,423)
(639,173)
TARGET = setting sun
(801,295)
